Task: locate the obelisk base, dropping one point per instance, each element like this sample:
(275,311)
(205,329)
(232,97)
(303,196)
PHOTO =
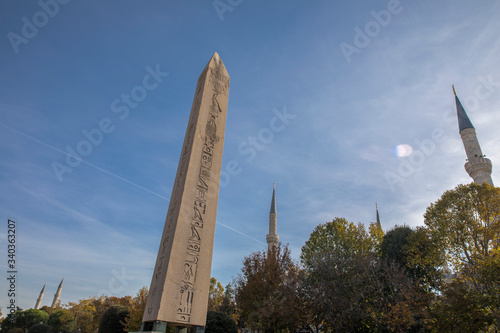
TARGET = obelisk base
(164,327)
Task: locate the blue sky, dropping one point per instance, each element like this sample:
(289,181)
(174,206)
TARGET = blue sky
(356,80)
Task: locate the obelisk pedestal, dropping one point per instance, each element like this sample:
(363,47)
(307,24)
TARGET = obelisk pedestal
(178,295)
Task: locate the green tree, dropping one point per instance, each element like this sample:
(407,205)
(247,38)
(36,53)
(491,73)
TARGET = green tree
(220,322)
(394,244)
(39,328)
(347,288)
(341,237)
(465,225)
(413,251)
(267,289)
(27,318)
(113,320)
(62,321)
(461,309)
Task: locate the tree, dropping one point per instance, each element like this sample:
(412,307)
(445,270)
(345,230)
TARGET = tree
(27,318)
(62,321)
(215,295)
(88,312)
(85,314)
(134,321)
(220,322)
(394,243)
(341,237)
(266,290)
(460,309)
(113,320)
(229,305)
(465,225)
(347,288)
(414,252)
(39,328)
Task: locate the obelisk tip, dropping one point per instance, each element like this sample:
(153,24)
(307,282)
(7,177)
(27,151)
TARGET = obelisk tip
(216,58)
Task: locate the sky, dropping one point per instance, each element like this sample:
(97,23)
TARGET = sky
(360,92)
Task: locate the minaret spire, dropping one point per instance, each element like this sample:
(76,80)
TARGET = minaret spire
(40,298)
(477,165)
(272,238)
(57,295)
(378,216)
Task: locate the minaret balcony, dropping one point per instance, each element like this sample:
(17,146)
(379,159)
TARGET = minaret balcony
(478,167)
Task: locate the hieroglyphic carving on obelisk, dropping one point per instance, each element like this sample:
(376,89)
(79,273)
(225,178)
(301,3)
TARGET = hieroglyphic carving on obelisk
(179,287)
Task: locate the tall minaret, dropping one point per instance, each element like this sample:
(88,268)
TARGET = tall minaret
(477,166)
(378,217)
(272,238)
(57,295)
(39,300)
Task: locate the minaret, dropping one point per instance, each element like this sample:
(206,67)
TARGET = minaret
(378,217)
(272,238)
(477,165)
(57,295)
(40,298)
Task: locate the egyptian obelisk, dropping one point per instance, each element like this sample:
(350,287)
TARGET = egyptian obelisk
(179,288)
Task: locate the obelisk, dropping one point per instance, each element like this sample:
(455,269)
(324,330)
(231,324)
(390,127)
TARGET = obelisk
(179,288)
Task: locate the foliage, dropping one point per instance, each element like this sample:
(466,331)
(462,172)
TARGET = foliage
(88,312)
(228,305)
(461,309)
(345,239)
(113,319)
(465,224)
(24,320)
(39,328)
(267,289)
(348,289)
(27,318)
(394,243)
(215,295)
(220,322)
(62,321)
(134,321)
(413,251)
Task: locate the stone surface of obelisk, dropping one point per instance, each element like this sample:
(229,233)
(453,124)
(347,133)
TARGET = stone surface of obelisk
(179,288)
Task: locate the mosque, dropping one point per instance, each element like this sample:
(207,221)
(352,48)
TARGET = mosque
(477,166)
